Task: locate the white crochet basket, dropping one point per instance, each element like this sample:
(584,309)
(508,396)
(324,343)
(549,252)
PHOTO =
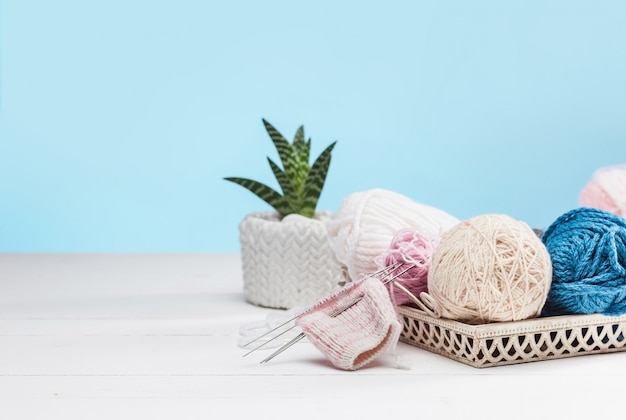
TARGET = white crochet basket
(507,343)
(287,263)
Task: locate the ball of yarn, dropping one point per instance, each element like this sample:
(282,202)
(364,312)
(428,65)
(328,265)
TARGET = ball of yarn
(588,251)
(606,190)
(414,251)
(490,268)
(366,222)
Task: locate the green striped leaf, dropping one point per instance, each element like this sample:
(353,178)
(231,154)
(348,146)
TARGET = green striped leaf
(302,149)
(265,193)
(307,149)
(298,140)
(301,171)
(316,179)
(285,184)
(275,134)
(286,151)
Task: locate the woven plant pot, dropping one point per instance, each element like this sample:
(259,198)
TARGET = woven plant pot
(287,263)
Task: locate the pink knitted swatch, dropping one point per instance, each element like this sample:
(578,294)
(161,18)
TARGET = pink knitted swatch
(361,333)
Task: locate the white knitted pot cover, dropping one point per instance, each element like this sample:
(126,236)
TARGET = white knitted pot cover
(287,263)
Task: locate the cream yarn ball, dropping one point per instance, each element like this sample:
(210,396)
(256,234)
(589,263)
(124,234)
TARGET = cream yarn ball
(367,221)
(490,268)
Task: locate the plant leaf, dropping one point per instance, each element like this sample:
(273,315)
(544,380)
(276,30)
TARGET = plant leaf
(265,193)
(315,181)
(285,150)
(307,150)
(301,168)
(285,184)
(300,145)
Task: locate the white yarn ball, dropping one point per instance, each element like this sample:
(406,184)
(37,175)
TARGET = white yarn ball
(367,221)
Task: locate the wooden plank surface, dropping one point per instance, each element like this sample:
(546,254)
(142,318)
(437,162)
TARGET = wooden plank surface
(156,336)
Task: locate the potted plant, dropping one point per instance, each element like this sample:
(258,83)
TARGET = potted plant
(287,259)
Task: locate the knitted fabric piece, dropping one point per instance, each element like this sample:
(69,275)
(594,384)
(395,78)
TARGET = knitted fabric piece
(358,335)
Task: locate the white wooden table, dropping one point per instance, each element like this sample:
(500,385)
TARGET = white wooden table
(156,337)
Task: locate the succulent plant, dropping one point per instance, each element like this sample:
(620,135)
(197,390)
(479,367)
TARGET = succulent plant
(301,184)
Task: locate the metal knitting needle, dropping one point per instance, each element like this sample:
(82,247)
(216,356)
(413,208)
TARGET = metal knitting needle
(333,315)
(301,335)
(383,270)
(274,338)
(284,347)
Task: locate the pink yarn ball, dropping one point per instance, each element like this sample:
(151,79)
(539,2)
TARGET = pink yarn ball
(414,250)
(606,190)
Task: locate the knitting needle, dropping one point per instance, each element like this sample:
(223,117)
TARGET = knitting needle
(301,335)
(284,347)
(334,314)
(383,270)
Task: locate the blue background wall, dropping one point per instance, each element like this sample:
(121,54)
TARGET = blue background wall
(119,119)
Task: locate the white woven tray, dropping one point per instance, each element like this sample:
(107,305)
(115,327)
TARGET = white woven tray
(507,343)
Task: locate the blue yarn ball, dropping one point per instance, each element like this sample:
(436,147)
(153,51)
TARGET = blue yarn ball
(587,247)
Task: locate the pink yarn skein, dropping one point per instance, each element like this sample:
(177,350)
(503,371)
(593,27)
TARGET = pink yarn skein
(414,250)
(606,190)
